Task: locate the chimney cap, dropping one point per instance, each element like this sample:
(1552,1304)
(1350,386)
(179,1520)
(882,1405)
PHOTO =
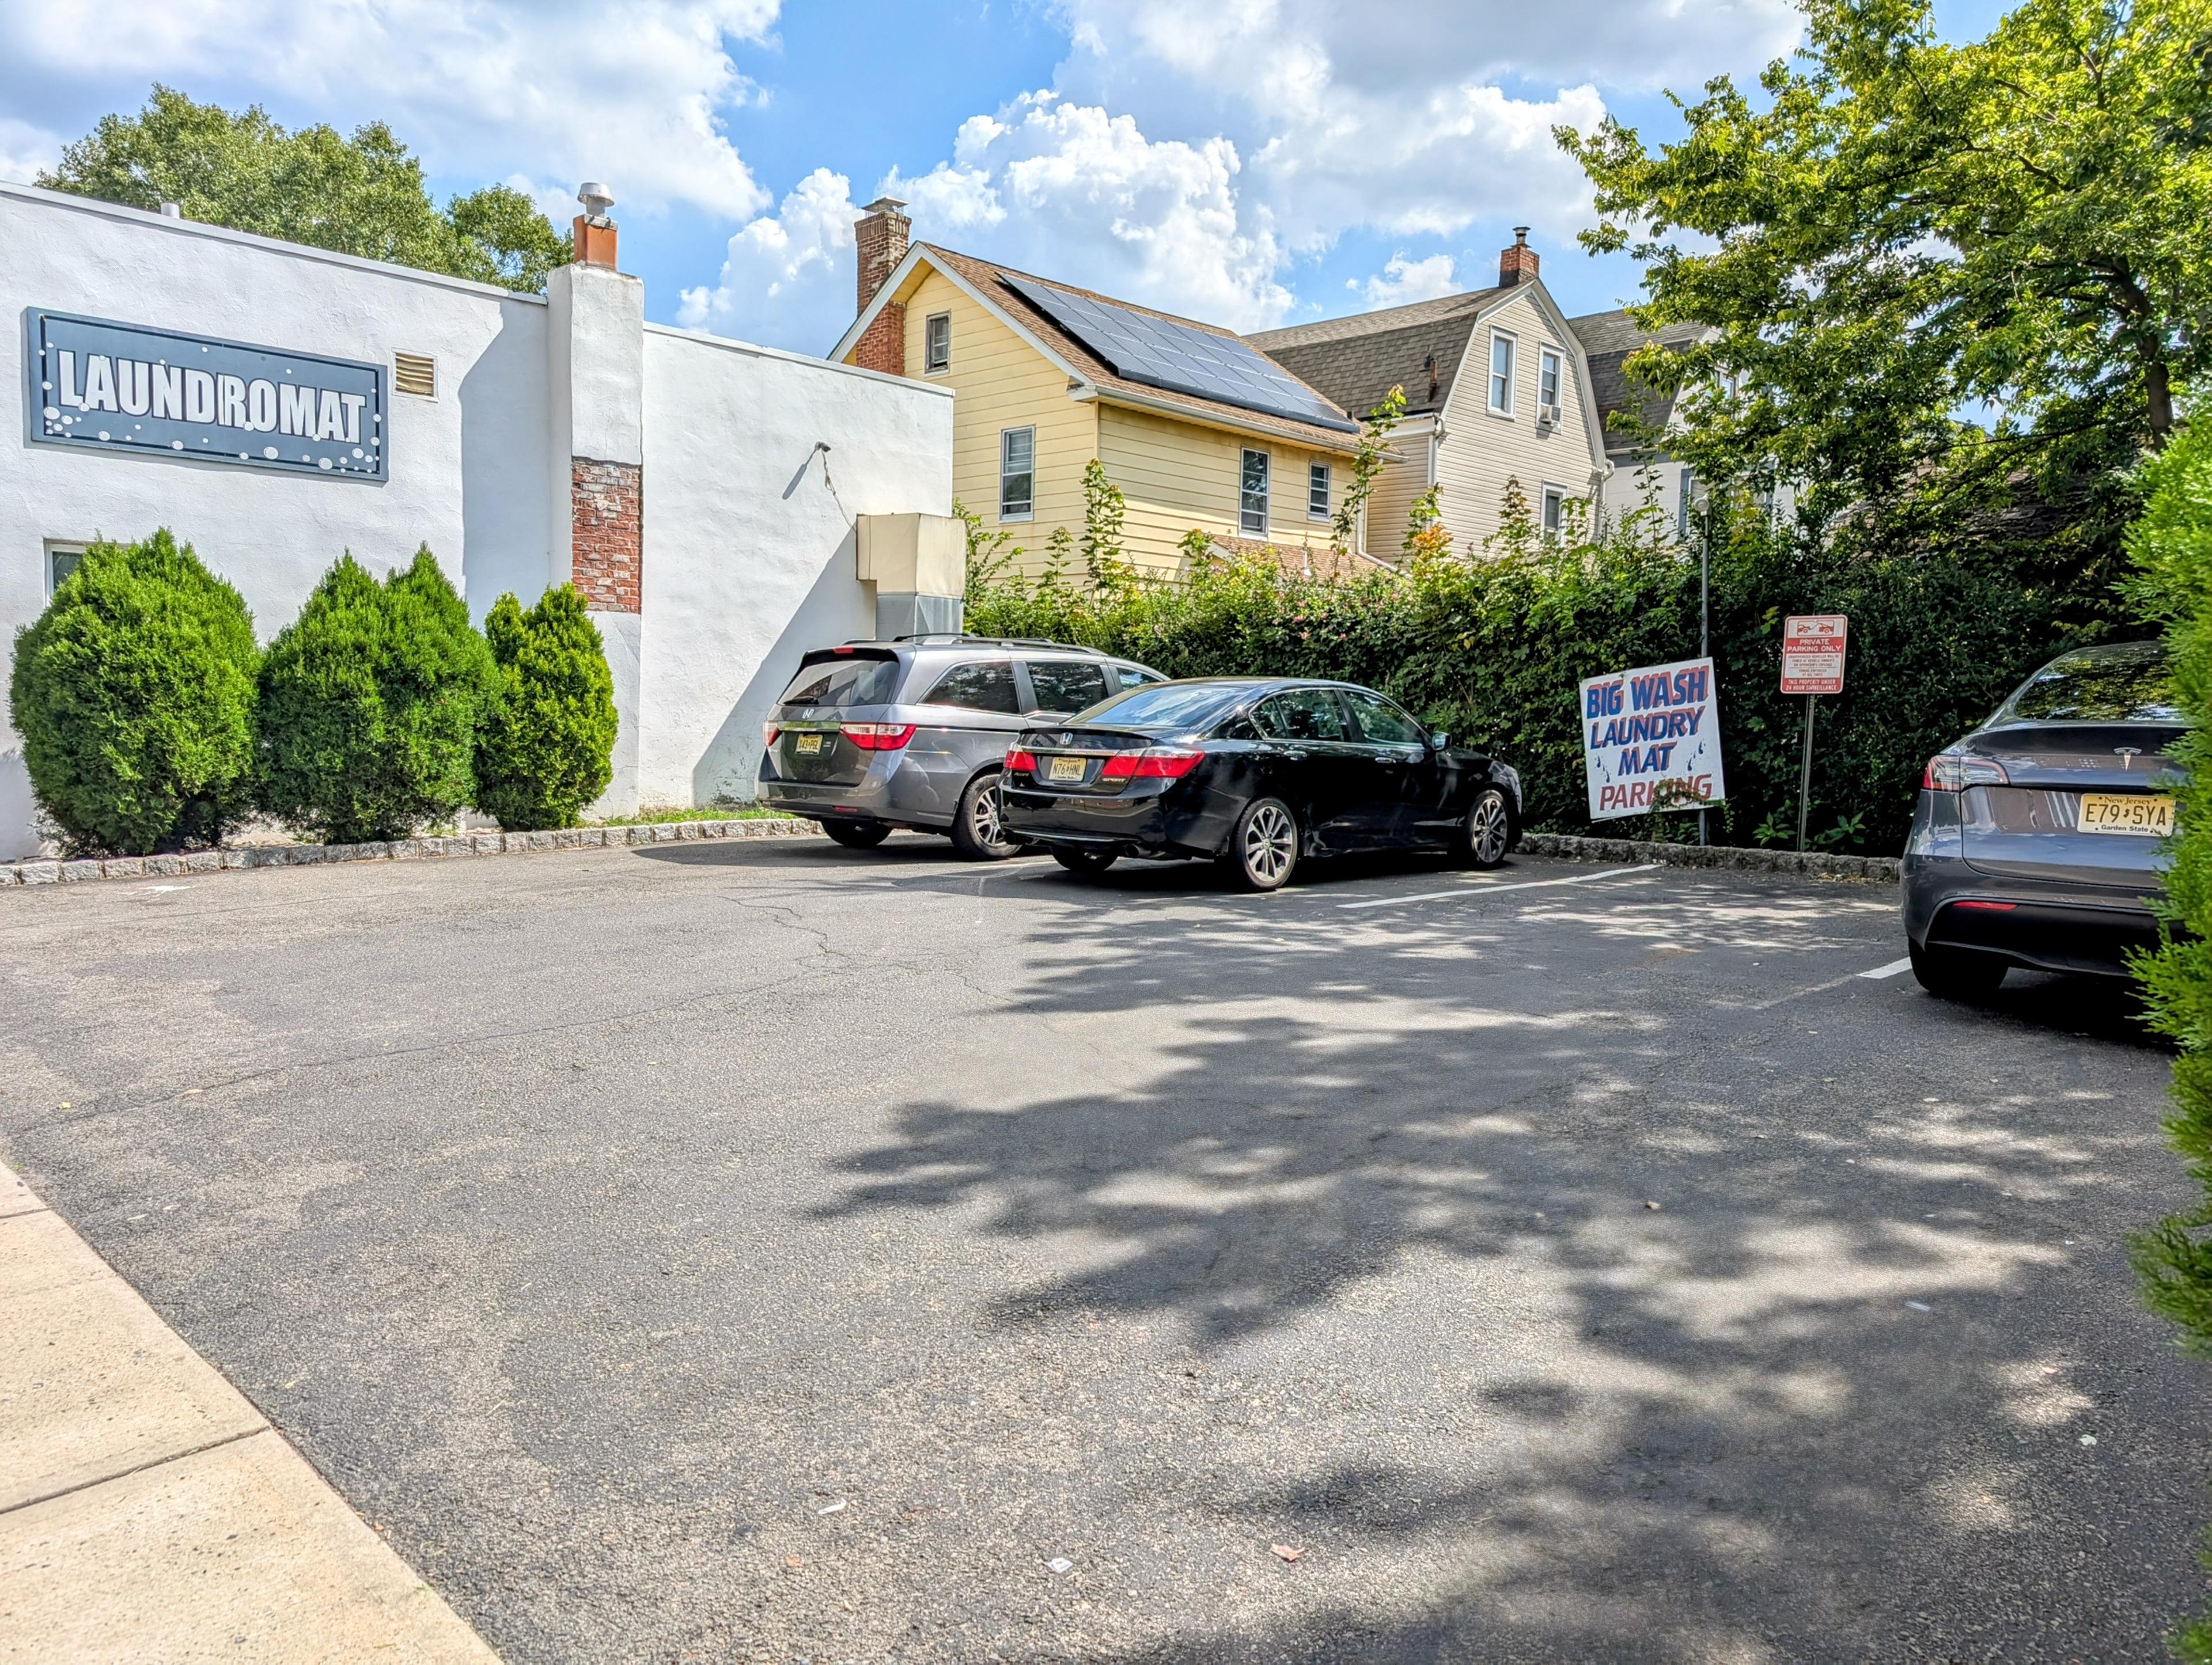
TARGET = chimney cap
(884,205)
(1520,234)
(596,198)
(173,211)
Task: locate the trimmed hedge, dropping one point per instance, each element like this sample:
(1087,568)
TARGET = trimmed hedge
(370,704)
(1493,650)
(548,738)
(134,693)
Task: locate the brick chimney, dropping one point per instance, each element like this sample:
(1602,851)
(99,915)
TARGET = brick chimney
(592,235)
(879,241)
(1518,263)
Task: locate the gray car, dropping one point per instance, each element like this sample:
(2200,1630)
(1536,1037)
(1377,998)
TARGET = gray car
(2039,838)
(872,736)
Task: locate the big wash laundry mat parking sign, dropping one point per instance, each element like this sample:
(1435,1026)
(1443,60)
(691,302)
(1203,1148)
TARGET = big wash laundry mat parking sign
(123,387)
(1651,739)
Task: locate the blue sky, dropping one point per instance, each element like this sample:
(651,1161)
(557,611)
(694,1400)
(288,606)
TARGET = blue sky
(1248,161)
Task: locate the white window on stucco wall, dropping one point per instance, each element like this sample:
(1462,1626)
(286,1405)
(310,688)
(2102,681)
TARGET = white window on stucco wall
(62,557)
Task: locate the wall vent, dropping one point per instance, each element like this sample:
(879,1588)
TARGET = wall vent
(413,373)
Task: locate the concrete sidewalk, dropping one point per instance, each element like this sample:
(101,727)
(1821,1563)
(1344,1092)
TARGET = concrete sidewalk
(149,1513)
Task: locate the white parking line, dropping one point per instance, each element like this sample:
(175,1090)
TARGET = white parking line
(1889,970)
(1468,890)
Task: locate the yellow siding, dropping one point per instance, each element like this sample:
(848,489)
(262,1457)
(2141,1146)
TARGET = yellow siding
(1000,382)
(1174,475)
(1390,504)
(1480,451)
(1179,474)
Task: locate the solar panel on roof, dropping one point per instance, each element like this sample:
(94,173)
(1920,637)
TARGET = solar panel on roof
(1156,352)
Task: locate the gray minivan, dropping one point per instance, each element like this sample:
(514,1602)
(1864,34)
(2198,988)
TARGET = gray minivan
(872,736)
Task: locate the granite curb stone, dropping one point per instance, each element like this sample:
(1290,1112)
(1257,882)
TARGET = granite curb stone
(83,869)
(1805,864)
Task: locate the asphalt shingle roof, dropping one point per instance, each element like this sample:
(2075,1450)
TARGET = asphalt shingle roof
(984,275)
(1355,361)
(1608,339)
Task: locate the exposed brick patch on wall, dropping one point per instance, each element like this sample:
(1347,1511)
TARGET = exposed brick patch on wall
(607,508)
(883,345)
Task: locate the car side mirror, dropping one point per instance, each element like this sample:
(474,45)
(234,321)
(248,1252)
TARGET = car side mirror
(1438,742)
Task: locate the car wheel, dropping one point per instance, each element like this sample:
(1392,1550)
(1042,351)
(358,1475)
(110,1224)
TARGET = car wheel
(1085,863)
(1487,835)
(857,834)
(979,826)
(1264,848)
(1956,974)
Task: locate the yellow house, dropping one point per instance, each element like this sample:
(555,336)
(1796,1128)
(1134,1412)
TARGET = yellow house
(1198,429)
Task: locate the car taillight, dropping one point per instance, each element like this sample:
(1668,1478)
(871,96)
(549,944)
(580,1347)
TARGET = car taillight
(1021,762)
(769,731)
(879,737)
(1952,771)
(1153,763)
(1988,907)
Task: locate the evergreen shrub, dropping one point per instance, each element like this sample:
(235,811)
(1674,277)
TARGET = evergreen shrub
(370,704)
(548,740)
(134,693)
(2171,545)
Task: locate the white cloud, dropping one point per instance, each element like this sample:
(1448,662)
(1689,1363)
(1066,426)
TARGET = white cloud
(787,277)
(559,90)
(25,150)
(1401,282)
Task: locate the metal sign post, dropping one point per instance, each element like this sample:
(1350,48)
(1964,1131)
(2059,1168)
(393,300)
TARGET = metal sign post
(1811,665)
(1705,619)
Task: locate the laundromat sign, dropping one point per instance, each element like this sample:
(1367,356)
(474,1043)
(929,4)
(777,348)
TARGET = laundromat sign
(120,387)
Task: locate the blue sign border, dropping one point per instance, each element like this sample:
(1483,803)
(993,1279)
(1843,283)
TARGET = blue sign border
(374,470)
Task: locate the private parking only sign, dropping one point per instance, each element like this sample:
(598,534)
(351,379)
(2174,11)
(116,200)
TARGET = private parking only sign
(1651,739)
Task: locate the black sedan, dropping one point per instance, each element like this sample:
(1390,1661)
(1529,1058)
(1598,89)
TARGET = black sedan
(2039,838)
(1254,774)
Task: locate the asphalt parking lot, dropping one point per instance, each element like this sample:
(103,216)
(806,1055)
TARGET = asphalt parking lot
(770,1251)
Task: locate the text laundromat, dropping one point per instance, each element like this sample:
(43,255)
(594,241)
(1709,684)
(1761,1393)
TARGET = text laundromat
(135,387)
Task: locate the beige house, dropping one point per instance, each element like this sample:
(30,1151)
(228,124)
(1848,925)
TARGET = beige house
(1196,430)
(1498,387)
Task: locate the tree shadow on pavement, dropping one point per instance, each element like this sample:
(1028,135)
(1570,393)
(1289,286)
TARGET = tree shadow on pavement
(1825,1399)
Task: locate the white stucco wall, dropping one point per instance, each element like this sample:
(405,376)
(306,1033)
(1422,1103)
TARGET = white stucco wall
(750,556)
(750,553)
(466,467)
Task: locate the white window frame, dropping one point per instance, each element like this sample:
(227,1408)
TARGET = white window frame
(1027,511)
(60,546)
(1550,369)
(1266,492)
(1319,475)
(936,366)
(1552,511)
(1511,342)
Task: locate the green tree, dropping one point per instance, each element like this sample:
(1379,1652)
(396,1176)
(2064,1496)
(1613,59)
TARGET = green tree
(548,740)
(362,195)
(134,694)
(1104,508)
(370,704)
(1902,229)
(1368,459)
(1426,535)
(2173,549)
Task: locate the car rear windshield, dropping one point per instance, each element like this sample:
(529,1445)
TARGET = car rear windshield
(2099,688)
(1166,705)
(843,683)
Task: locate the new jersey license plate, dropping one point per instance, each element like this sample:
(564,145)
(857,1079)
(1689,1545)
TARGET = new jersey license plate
(2126,812)
(1066,768)
(806,746)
